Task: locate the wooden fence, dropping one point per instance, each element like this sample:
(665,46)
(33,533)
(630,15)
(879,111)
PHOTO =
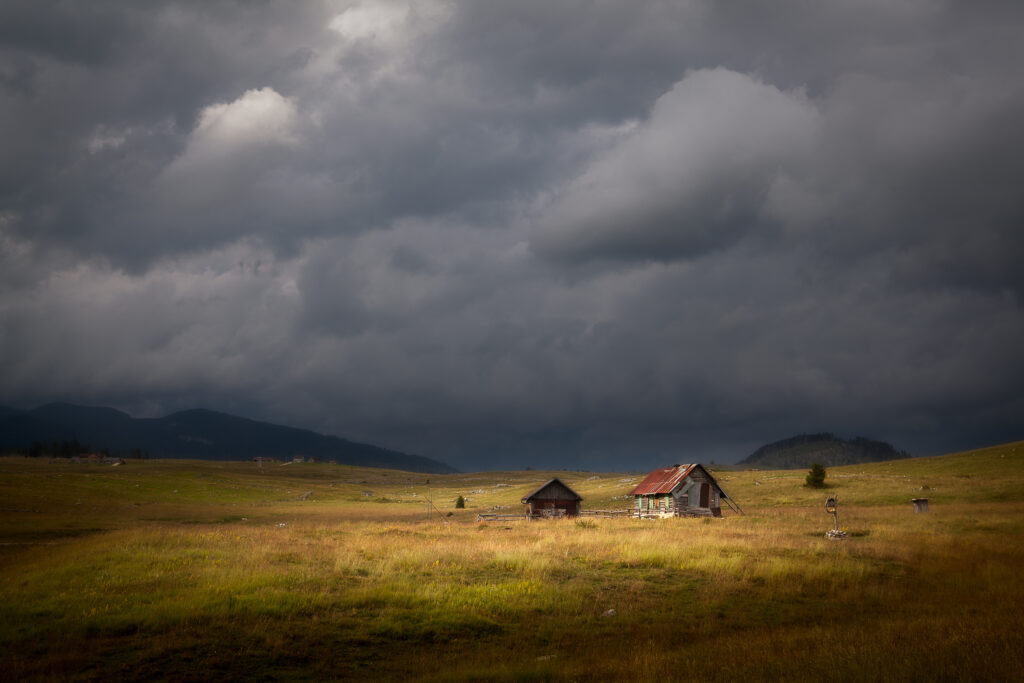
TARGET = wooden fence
(650,513)
(655,513)
(495,517)
(628,512)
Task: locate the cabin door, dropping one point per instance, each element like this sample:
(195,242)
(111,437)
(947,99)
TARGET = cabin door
(705,495)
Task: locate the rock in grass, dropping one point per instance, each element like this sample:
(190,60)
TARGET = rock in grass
(610,613)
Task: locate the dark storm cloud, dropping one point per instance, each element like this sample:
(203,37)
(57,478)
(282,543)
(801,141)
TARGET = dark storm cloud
(590,234)
(95,134)
(691,178)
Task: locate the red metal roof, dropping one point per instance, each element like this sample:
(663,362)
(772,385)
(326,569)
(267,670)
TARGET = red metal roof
(663,480)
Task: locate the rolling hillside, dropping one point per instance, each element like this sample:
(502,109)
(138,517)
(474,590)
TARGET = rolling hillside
(199,434)
(170,569)
(826,449)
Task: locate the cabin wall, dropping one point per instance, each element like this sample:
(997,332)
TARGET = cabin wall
(691,489)
(555,491)
(664,503)
(554,496)
(682,495)
(571,507)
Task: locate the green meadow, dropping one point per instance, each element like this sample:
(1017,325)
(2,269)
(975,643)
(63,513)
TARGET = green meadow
(199,570)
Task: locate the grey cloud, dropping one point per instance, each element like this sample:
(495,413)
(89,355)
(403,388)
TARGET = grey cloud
(874,167)
(919,172)
(689,179)
(160,68)
(460,367)
(520,233)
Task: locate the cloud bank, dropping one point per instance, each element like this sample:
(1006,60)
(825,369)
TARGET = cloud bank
(514,234)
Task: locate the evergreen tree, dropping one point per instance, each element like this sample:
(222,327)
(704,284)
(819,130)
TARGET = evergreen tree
(460,502)
(816,477)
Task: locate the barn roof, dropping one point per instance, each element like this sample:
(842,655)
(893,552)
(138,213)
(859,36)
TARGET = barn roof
(547,484)
(664,480)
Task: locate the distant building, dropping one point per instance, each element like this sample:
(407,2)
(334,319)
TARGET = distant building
(553,499)
(95,458)
(299,458)
(680,491)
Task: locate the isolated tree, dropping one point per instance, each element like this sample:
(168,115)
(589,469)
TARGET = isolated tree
(460,502)
(816,477)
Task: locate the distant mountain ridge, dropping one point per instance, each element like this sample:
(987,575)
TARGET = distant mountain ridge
(825,448)
(200,434)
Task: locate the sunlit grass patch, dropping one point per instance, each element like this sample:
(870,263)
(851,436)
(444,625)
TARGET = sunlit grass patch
(340,586)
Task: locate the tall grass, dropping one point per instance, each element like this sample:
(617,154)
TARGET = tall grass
(259,583)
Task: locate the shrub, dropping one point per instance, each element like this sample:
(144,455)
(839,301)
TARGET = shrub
(460,502)
(816,477)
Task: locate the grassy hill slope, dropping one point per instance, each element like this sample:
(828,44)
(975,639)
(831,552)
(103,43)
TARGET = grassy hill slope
(191,569)
(825,449)
(202,434)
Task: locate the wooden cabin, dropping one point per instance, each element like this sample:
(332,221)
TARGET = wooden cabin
(679,491)
(553,499)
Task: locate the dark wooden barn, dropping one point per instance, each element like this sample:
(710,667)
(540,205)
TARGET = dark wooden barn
(553,499)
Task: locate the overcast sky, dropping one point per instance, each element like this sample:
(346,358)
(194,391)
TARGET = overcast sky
(595,235)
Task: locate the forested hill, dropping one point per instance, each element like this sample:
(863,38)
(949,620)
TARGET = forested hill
(825,448)
(201,434)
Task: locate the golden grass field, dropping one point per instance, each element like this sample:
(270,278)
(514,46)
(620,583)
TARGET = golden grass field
(221,570)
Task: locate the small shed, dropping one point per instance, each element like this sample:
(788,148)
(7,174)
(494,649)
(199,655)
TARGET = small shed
(553,499)
(680,491)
